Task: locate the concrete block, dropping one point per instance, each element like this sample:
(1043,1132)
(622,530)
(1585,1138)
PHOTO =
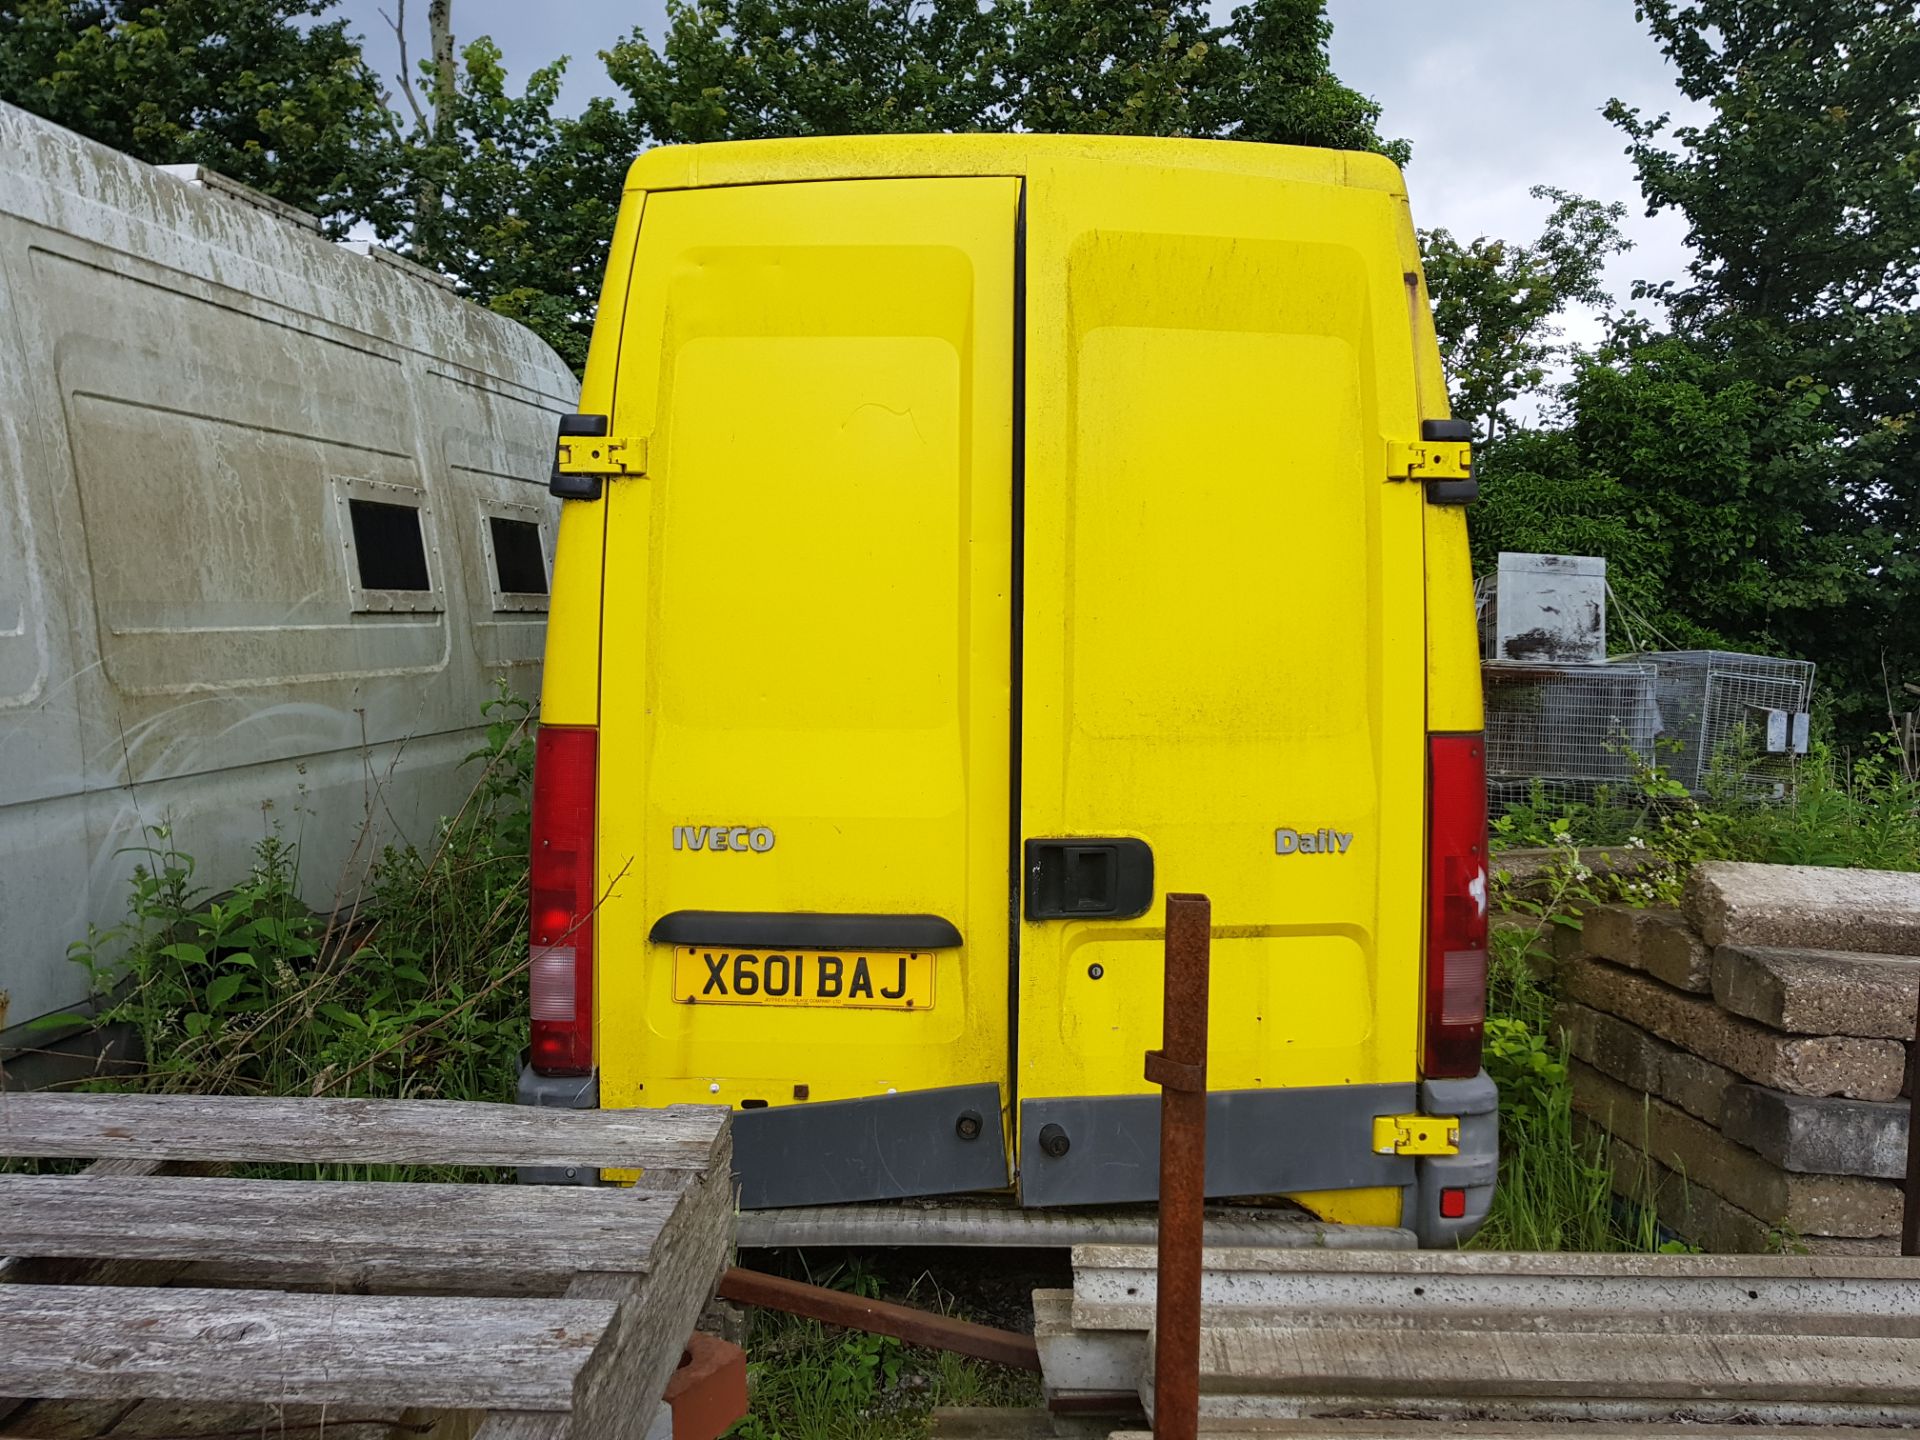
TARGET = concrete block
(1084,1362)
(1859,1069)
(1841,1205)
(1804,907)
(1656,941)
(1821,1137)
(1819,992)
(1537,872)
(1635,1058)
(1711,1221)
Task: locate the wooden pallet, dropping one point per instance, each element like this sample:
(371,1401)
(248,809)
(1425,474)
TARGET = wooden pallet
(148,1303)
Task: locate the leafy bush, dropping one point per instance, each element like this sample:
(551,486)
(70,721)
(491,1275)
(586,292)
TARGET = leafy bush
(1556,1191)
(418,991)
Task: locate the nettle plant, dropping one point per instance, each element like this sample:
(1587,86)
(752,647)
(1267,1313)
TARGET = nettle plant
(417,989)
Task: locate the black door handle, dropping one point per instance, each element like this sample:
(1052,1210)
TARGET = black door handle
(1089,878)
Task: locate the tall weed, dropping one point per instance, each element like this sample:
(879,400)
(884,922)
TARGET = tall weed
(418,991)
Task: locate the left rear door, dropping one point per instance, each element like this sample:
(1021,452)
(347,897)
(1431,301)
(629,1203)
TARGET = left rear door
(805,639)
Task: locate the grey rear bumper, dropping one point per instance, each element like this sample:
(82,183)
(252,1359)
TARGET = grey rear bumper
(1259,1142)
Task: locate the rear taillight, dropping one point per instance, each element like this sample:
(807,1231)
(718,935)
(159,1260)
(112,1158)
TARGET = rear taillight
(562,884)
(1456,905)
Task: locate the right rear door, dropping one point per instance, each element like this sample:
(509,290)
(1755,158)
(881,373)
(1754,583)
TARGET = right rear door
(1223,640)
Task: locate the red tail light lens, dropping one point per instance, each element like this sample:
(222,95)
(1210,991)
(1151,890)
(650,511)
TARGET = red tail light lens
(1456,905)
(564,761)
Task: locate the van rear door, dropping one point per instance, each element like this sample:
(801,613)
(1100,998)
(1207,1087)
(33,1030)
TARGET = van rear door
(1223,660)
(805,727)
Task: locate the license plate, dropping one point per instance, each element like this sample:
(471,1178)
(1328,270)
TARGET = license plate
(869,980)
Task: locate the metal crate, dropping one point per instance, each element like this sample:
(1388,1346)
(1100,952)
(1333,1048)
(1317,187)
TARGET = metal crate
(1739,718)
(1569,728)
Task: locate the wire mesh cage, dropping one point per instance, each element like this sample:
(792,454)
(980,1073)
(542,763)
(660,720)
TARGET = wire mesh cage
(1566,730)
(1730,718)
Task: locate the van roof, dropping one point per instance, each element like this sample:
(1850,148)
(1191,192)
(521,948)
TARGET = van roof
(850,157)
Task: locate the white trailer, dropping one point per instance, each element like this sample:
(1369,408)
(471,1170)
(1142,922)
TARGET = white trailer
(273,518)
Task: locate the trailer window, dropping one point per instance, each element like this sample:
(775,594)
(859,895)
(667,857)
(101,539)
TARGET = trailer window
(519,564)
(392,552)
(388,546)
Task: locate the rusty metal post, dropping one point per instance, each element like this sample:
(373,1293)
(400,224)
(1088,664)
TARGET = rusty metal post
(1179,1068)
(880,1317)
(1910,1209)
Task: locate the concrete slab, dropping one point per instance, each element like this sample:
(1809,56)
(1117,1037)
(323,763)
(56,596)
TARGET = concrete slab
(1822,1137)
(1819,992)
(973,1223)
(1806,907)
(1697,1215)
(1859,1069)
(1634,1057)
(1841,1205)
(1341,1428)
(1529,1362)
(1657,941)
(1114,1289)
(1572,1419)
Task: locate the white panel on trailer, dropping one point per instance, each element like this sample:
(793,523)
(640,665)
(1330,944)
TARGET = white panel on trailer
(193,390)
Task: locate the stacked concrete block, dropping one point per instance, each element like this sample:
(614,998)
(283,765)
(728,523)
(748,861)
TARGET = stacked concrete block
(1743,1059)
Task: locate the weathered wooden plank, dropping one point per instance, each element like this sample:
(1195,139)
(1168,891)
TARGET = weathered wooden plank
(20,1270)
(79,1342)
(65,1419)
(348,1232)
(172,1420)
(175,1420)
(356,1132)
(523,1425)
(657,1311)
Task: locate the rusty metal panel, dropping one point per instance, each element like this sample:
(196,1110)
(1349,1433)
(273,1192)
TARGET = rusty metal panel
(192,389)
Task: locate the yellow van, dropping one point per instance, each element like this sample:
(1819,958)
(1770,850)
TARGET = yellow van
(967,540)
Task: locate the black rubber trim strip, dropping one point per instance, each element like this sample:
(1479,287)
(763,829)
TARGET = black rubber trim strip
(1016,649)
(804,930)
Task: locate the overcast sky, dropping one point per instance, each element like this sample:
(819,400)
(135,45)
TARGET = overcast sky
(1496,96)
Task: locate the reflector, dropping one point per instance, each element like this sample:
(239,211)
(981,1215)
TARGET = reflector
(1456,905)
(561,939)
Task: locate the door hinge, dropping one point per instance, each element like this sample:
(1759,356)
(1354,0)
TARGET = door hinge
(601,455)
(1416,1135)
(1441,460)
(1429,460)
(586,454)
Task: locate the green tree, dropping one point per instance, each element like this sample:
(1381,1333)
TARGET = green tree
(749,69)
(1801,192)
(1495,303)
(755,69)
(264,91)
(1662,457)
(515,203)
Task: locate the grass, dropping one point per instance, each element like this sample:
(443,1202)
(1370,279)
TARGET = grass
(811,1381)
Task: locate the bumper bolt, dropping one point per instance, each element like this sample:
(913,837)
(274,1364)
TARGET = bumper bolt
(1054,1141)
(968,1125)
